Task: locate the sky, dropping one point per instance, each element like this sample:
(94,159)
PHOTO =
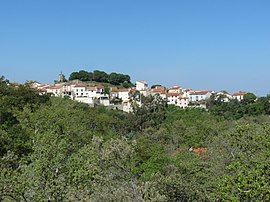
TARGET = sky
(198,44)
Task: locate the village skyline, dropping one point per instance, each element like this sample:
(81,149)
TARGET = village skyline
(116,91)
(51,81)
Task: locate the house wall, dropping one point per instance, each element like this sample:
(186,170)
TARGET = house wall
(198,97)
(140,86)
(91,93)
(239,97)
(80,91)
(105,102)
(86,100)
(172,100)
(183,102)
(123,95)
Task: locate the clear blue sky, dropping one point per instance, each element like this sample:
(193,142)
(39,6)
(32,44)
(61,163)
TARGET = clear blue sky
(201,44)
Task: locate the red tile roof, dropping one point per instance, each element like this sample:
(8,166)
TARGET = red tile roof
(173,94)
(175,87)
(91,88)
(158,90)
(199,92)
(188,90)
(240,93)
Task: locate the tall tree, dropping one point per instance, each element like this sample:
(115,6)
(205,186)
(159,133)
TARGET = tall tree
(100,76)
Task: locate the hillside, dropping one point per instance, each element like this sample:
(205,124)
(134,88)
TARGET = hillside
(55,149)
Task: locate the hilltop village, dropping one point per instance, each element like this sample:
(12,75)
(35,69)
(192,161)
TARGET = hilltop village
(121,98)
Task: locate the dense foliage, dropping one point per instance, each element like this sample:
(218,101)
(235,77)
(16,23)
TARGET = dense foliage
(101,76)
(249,106)
(55,149)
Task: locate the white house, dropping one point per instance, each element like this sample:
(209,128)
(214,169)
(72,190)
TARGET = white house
(141,85)
(172,98)
(67,90)
(223,96)
(80,90)
(195,96)
(161,91)
(124,94)
(104,100)
(87,100)
(54,89)
(175,89)
(183,102)
(91,92)
(186,92)
(113,95)
(82,93)
(100,90)
(239,95)
(34,84)
(177,100)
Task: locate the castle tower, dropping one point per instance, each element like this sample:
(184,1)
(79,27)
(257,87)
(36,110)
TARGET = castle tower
(61,78)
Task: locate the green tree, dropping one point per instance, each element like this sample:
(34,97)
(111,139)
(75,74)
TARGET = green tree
(249,98)
(82,75)
(247,174)
(74,76)
(151,113)
(100,76)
